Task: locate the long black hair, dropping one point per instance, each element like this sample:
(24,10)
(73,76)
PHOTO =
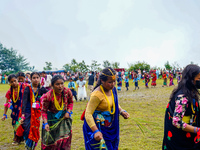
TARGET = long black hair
(11,76)
(104,76)
(35,73)
(20,74)
(55,78)
(187,83)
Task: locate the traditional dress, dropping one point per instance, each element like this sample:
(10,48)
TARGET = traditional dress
(154,78)
(119,83)
(171,78)
(99,113)
(16,100)
(81,89)
(31,108)
(165,79)
(60,134)
(180,112)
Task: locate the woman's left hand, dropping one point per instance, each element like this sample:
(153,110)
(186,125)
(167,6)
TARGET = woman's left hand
(66,116)
(125,115)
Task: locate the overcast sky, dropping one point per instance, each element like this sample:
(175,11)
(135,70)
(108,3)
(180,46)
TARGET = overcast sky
(125,31)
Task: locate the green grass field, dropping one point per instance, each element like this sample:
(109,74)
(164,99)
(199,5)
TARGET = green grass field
(145,106)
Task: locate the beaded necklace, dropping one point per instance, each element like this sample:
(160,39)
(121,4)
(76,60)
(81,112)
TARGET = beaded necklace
(15,100)
(33,100)
(108,100)
(57,105)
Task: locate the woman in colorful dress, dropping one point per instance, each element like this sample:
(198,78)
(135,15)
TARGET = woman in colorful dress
(101,123)
(14,95)
(164,75)
(182,122)
(57,105)
(154,78)
(171,78)
(31,111)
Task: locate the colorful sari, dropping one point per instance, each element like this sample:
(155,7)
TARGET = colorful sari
(16,111)
(108,127)
(31,123)
(60,134)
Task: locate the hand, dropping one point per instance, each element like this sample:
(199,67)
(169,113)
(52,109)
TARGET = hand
(47,127)
(125,115)
(3,118)
(66,116)
(21,121)
(98,136)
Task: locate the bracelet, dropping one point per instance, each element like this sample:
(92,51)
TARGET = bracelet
(122,111)
(5,115)
(96,131)
(70,113)
(44,124)
(196,129)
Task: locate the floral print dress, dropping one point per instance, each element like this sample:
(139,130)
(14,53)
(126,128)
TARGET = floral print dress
(180,112)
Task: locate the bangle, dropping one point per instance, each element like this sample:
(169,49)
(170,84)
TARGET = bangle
(5,115)
(96,131)
(44,124)
(70,113)
(122,111)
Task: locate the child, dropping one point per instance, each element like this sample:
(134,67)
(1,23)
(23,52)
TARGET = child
(81,89)
(119,83)
(171,77)
(136,81)
(126,82)
(178,77)
(72,87)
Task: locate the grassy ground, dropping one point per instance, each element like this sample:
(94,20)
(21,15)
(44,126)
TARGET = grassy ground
(145,106)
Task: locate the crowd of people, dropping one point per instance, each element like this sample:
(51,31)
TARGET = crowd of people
(40,95)
(36,95)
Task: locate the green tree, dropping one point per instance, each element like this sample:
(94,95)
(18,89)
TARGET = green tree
(106,63)
(139,65)
(168,66)
(95,66)
(10,61)
(115,65)
(48,66)
(67,67)
(74,65)
(83,67)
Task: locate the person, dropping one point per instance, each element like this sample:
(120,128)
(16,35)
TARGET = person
(0,78)
(119,83)
(136,81)
(101,121)
(139,74)
(91,82)
(27,79)
(171,78)
(182,126)
(147,80)
(46,80)
(154,78)
(31,111)
(178,77)
(126,83)
(4,79)
(14,96)
(164,79)
(81,89)
(21,77)
(72,87)
(57,105)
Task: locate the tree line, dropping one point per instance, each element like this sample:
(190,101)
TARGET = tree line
(12,62)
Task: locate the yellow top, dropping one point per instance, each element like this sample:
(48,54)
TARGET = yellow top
(97,102)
